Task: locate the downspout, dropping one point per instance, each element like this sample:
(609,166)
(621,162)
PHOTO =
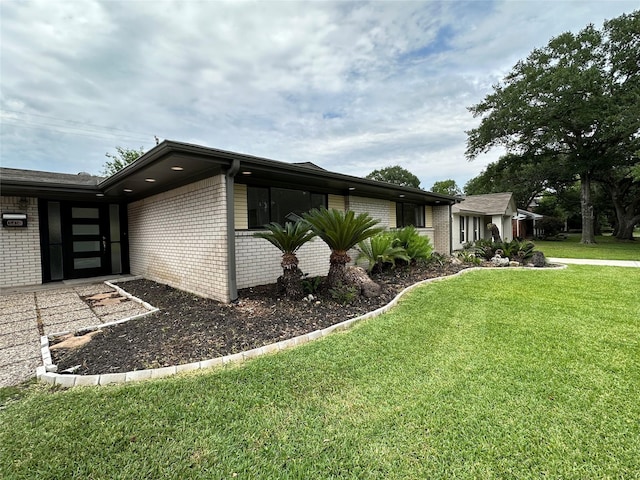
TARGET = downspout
(231,230)
(450,229)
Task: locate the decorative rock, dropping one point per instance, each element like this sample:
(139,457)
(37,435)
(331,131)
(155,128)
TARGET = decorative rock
(456,261)
(514,264)
(538,259)
(498,261)
(358,276)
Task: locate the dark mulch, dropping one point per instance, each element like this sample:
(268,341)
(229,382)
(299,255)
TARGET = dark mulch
(189,328)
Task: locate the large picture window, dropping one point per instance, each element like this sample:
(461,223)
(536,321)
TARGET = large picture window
(409,214)
(271,204)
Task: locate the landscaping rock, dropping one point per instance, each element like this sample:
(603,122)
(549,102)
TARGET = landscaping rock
(70,341)
(358,277)
(498,261)
(538,259)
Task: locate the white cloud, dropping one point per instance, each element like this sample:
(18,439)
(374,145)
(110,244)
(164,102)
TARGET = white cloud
(351,86)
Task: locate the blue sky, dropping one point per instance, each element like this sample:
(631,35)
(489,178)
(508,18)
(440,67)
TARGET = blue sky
(350,86)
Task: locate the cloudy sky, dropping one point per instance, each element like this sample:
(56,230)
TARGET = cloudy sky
(350,86)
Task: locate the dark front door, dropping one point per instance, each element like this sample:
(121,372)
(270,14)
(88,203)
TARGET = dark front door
(82,240)
(85,242)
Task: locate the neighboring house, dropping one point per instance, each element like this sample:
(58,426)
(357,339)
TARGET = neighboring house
(471,216)
(525,224)
(184,215)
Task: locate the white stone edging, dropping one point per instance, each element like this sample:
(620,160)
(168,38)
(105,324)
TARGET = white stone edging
(45,374)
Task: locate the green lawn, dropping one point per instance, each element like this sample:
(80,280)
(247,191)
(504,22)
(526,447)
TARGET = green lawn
(499,373)
(607,248)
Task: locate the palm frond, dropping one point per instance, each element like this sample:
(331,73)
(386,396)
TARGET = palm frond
(341,230)
(287,239)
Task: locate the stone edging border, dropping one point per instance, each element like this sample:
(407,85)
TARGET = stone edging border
(48,368)
(68,381)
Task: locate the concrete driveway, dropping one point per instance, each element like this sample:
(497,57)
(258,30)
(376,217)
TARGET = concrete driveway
(27,315)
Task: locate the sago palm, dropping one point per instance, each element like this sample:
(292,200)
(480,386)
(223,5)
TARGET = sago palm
(378,250)
(288,240)
(341,231)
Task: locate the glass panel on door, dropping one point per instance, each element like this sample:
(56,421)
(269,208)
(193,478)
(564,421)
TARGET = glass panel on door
(88,241)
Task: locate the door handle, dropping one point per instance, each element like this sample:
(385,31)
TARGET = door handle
(104,244)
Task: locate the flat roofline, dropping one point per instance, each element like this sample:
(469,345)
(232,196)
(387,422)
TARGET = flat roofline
(207,161)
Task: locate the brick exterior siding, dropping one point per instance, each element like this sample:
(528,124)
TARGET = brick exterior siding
(258,262)
(20,247)
(441,224)
(378,209)
(180,238)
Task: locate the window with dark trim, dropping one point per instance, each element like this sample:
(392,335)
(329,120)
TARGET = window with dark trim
(272,204)
(462,229)
(409,214)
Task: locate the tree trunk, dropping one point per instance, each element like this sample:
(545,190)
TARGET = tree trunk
(627,216)
(625,231)
(291,283)
(586,209)
(337,269)
(291,279)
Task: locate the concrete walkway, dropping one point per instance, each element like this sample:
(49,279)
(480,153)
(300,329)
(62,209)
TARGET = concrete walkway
(27,315)
(602,263)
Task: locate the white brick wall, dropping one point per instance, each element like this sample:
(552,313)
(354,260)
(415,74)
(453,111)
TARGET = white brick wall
(441,223)
(20,247)
(378,209)
(258,262)
(179,238)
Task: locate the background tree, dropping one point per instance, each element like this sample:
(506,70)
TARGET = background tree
(119,160)
(623,185)
(525,176)
(576,99)
(397,175)
(446,187)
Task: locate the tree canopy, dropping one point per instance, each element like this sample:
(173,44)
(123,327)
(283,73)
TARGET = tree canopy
(575,99)
(526,177)
(446,187)
(397,175)
(119,160)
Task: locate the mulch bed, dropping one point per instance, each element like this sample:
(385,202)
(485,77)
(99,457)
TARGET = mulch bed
(189,328)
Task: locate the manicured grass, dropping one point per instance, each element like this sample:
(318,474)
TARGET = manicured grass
(496,374)
(606,248)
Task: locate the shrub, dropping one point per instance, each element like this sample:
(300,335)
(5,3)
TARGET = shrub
(551,226)
(343,294)
(380,250)
(311,285)
(436,259)
(514,249)
(485,248)
(418,247)
(467,256)
(517,250)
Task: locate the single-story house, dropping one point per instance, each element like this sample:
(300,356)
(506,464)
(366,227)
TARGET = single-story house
(185,215)
(525,224)
(471,216)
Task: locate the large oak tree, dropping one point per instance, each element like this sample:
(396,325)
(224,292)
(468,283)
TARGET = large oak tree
(395,174)
(577,99)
